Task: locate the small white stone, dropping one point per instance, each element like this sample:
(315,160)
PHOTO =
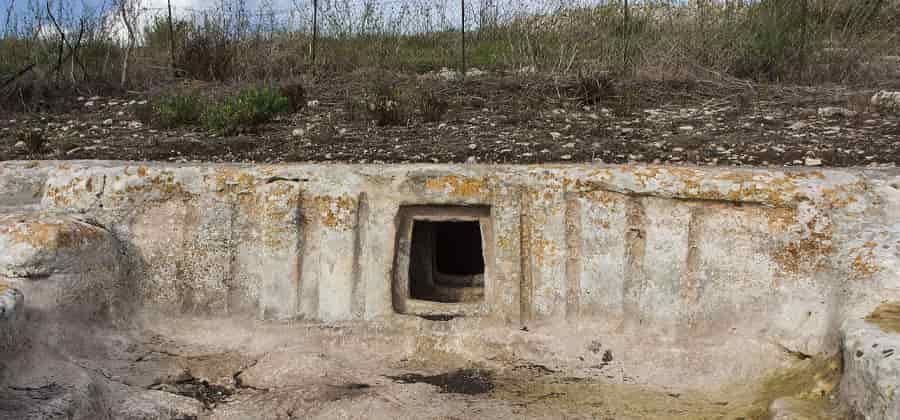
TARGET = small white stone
(555,135)
(566,157)
(298,132)
(527,70)
(312,104)
(473,146)
(89,104)
(20,145)
(835,111)
(475,72)
(447,74)
(887,100)
(686,128)
(108,121)
(568,145)
(812,162)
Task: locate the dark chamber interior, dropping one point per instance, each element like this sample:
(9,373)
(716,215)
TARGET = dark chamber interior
(458,248)
(445,257)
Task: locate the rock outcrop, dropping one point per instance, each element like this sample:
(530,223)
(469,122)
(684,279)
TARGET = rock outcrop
(871,381)
(66,265)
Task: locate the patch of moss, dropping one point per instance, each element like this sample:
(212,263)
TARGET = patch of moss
(810,382)
(601,400)
(886,317)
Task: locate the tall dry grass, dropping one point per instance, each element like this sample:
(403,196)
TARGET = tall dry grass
(797,41)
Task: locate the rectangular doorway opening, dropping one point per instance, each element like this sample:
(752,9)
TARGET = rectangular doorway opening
(443,260)
(446,261)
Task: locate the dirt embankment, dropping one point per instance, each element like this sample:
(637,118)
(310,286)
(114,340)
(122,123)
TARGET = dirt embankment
(499,119)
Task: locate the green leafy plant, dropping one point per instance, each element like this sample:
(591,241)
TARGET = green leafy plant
(251,107)
(177,110)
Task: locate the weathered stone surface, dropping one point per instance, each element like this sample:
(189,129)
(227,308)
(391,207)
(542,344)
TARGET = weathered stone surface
(782,255)
(871,381)
(42,244)
(10,303)
(138,404)
(291,369)
(794,409)
(22,189)
(11,317)
(64,390)
(63,263)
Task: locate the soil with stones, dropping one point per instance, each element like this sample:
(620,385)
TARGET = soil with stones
(497,119)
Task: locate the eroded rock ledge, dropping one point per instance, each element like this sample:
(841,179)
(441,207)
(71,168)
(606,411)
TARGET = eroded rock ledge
(770,262)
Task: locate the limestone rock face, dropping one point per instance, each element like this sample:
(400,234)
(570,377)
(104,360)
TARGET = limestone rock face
(39,245)
(134,404)
(793,409)
(65,265)
(871,370)
(11,306)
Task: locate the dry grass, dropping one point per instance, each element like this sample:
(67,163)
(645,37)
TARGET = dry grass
(797,41)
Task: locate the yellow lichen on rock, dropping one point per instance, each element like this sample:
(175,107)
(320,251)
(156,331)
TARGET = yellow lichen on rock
(864,263)
(887,317)
(335,212)
(48,234)
(809,253)
(454,186)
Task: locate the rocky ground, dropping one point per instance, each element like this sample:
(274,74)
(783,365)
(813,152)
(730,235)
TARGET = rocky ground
(504,119)
(238,369)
